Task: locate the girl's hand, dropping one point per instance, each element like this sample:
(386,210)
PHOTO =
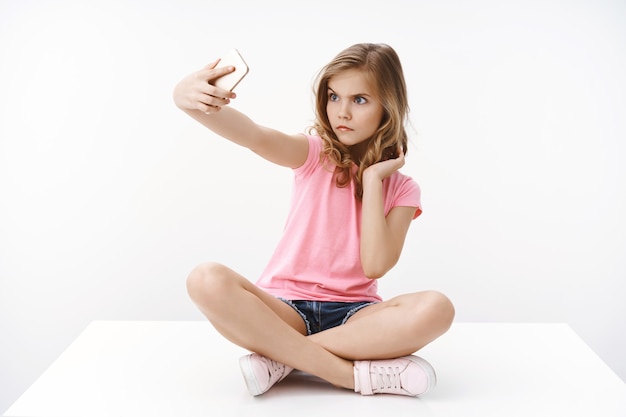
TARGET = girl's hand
(381,170)
(195,92)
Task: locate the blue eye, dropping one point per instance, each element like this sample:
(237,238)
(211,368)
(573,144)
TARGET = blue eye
(360,100)
(333,97)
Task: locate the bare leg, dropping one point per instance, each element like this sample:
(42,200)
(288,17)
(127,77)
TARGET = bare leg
(257,321)
(253,319)
(393,328)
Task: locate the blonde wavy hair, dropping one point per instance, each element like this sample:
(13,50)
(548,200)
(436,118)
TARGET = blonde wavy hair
(382,68)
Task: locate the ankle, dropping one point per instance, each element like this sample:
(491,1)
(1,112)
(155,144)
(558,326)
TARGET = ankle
(347,376)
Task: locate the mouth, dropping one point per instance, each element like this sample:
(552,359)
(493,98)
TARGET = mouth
(343,128)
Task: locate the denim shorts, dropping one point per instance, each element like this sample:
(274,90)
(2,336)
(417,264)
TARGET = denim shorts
(323,315)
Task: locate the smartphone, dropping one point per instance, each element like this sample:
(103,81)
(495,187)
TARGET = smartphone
(230,80)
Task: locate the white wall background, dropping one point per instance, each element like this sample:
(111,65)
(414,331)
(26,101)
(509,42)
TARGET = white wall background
(109,195)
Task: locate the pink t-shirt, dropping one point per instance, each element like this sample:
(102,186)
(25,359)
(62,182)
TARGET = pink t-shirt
(318,255)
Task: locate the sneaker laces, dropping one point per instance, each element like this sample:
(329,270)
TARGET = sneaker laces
(385,378)
(276,370)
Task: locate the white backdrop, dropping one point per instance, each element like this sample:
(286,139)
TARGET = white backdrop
(109,195)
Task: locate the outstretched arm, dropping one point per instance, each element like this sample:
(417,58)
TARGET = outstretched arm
(207,104)
(382,238)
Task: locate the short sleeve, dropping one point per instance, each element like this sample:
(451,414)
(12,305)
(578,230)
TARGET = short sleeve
(313,157)
(403,191)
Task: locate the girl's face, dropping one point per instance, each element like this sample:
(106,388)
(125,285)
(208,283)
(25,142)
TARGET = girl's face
(353,110)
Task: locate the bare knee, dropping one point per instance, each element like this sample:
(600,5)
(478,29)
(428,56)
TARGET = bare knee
(208,283)
(431,314)
(439,309)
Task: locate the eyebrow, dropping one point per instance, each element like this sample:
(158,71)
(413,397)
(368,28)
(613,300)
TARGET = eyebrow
(353,95)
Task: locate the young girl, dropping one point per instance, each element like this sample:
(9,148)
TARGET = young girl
(315,307)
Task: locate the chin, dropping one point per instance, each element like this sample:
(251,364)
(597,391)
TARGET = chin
(349,141)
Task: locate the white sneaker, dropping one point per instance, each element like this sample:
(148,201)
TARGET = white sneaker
(408,375)
(261,373)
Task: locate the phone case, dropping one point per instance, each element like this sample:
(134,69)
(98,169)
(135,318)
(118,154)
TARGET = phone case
(230,81)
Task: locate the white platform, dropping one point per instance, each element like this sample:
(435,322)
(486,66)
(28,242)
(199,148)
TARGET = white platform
(187,369)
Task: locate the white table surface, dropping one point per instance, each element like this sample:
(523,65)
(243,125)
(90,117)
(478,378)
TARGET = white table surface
(131,368)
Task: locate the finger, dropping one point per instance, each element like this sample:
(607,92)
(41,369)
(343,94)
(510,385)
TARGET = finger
(209,74)
(224,70)
(400,153)
(212,100)
(212,64)
(400,160)
(221,71)
(211,71)
(215,95)
(207,78)
(208,104)
(220,92)
(211,90)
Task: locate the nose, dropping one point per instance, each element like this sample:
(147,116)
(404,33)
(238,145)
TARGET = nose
(344,111)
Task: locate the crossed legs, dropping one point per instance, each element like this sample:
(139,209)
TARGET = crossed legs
(259,322)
